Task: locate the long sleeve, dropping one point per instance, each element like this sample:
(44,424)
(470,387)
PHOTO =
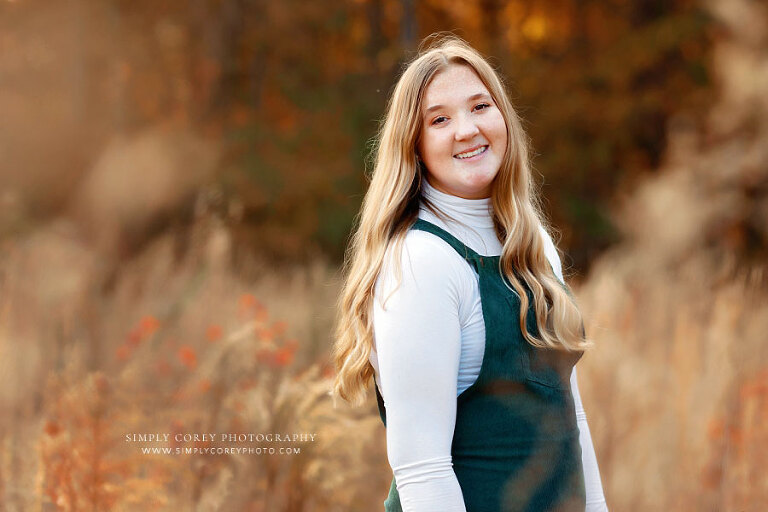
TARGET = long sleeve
(594,487)
(592,483)
(417,334)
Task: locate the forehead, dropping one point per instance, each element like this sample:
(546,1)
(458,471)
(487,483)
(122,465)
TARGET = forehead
(455,83)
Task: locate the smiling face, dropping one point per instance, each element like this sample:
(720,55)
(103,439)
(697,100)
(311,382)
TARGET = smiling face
(463,136)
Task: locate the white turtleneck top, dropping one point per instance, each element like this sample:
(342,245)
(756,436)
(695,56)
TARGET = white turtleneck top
(428,348)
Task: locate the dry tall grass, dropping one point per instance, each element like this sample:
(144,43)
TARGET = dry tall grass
(184,345)
(677,391)
(175,338)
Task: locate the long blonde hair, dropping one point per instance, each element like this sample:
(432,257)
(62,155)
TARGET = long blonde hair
(391,206)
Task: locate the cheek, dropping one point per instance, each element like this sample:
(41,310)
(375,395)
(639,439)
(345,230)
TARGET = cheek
(436,146)
(503,140)
(500,133)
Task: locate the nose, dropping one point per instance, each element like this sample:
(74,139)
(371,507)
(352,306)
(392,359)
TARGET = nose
(466,128)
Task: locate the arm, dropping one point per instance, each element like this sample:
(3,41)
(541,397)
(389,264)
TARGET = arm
(418,344)
(594,487)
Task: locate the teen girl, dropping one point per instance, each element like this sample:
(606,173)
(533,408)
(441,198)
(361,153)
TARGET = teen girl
(454,301)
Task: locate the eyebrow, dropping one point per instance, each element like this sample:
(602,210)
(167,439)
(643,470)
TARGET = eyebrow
(474,97)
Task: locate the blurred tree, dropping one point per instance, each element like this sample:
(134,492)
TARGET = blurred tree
(293,91)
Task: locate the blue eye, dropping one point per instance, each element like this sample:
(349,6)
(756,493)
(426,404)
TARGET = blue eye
(437,119)
(481,106)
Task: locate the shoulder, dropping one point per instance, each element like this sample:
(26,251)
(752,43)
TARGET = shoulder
(549,245)
(425,262)
(430,254)
(550,250)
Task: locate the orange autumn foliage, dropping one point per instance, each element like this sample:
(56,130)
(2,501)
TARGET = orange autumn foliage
(123,352)
(148,325)
(187,356)
(213,333)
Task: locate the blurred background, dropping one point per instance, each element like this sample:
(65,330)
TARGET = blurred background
(178,180)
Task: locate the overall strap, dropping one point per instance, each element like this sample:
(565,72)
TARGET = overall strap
(464,251)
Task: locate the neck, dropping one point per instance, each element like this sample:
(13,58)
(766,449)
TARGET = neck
(472,212)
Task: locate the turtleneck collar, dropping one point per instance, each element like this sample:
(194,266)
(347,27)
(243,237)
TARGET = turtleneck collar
(472,212)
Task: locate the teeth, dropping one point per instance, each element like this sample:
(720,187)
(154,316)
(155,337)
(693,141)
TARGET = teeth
(472,153)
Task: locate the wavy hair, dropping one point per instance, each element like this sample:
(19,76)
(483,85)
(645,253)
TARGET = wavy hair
(391,206)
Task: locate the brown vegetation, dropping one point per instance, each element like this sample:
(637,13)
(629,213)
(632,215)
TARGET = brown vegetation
(676,392)
(203,354)
(118,317)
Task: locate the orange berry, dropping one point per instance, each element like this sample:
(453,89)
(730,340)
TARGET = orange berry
(715,429)
(148,325)
(52,428)
(187,356)
(134,337)
(247,300)
(283,357)
(123,352)
(279,328)
(213,333)
(266,334)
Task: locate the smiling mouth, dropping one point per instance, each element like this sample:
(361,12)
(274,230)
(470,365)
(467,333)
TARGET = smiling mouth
(470,154)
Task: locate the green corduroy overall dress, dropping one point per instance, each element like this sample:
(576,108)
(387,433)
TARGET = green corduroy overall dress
(516,441)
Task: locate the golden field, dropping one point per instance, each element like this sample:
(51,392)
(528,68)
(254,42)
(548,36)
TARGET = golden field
(189,335)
